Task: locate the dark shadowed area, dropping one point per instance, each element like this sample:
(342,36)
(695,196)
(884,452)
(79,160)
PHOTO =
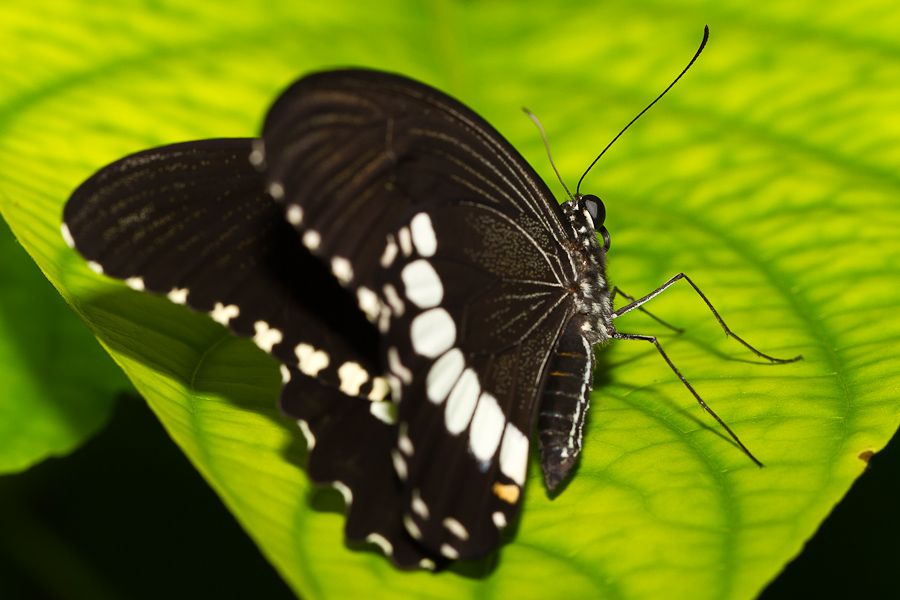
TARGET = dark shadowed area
(125,516)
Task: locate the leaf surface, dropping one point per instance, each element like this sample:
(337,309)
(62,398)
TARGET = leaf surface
(768,174)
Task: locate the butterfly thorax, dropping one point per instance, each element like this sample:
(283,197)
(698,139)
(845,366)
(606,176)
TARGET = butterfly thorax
(592,301)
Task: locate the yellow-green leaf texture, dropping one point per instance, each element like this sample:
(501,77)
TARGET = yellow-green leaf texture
(769,174)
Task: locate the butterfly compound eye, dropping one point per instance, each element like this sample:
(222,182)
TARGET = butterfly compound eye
(595,208)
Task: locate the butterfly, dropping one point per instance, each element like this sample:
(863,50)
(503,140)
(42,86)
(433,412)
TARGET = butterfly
(428,300)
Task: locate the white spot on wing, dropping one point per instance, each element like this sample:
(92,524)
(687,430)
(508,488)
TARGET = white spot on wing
(393,298)
(307,434)
(294,214)
(178,295)
(352,377)
(428,564)
(423,285)
(368,303)
(384,319)
(423,234)
(285,374)
(418,505)
(443,374)
(276,190)
(135,283)
(380,541)
(399,464)
(499,519)
(345,491)
(266,336)
(224,314)
(403,441)
(487,428)
(462,401)
(448,551)
(309,360)
(411,527)
(342,269)
(456,528)
(396,388)
(514,454)
(405,241)
(433,332)
(257,154)
(390,252)
(95,267)
(312,239)
(397,367)
(67,235)
(380,389)
(386,412)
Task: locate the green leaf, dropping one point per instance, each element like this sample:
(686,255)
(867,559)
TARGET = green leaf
(56,386)
(768,174)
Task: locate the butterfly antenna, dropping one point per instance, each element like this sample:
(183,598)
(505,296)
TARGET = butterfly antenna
(696,54)
(540,127)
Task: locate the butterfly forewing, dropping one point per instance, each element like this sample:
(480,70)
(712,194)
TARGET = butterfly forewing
(356,151)
(476,319)
(192,221)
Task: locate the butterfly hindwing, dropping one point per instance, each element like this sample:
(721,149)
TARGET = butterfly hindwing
(344,435)
(191,221)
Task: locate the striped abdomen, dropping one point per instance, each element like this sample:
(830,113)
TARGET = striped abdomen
(565,403)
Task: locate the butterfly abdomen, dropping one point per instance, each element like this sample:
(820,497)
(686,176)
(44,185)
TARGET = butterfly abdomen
(567,382)
(565,403)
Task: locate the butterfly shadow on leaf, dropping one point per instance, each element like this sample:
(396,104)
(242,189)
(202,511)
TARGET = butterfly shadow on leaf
(199,354)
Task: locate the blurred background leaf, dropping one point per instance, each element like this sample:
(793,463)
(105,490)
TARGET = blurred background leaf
(769,175)
(56,386)
(125,516)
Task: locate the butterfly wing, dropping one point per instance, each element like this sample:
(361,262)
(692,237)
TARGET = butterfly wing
(348,449)
(354,152)
(191,221)
(468,353)
(421,207)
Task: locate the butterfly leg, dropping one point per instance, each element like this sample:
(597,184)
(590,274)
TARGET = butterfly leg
(617,291)
(655,342)
(636,304)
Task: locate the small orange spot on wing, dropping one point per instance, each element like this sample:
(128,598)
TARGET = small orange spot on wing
(507,492)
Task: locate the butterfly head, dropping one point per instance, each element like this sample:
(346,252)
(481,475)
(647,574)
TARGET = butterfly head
(597,213)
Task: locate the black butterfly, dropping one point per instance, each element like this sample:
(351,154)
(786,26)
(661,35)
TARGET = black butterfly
(428,300)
